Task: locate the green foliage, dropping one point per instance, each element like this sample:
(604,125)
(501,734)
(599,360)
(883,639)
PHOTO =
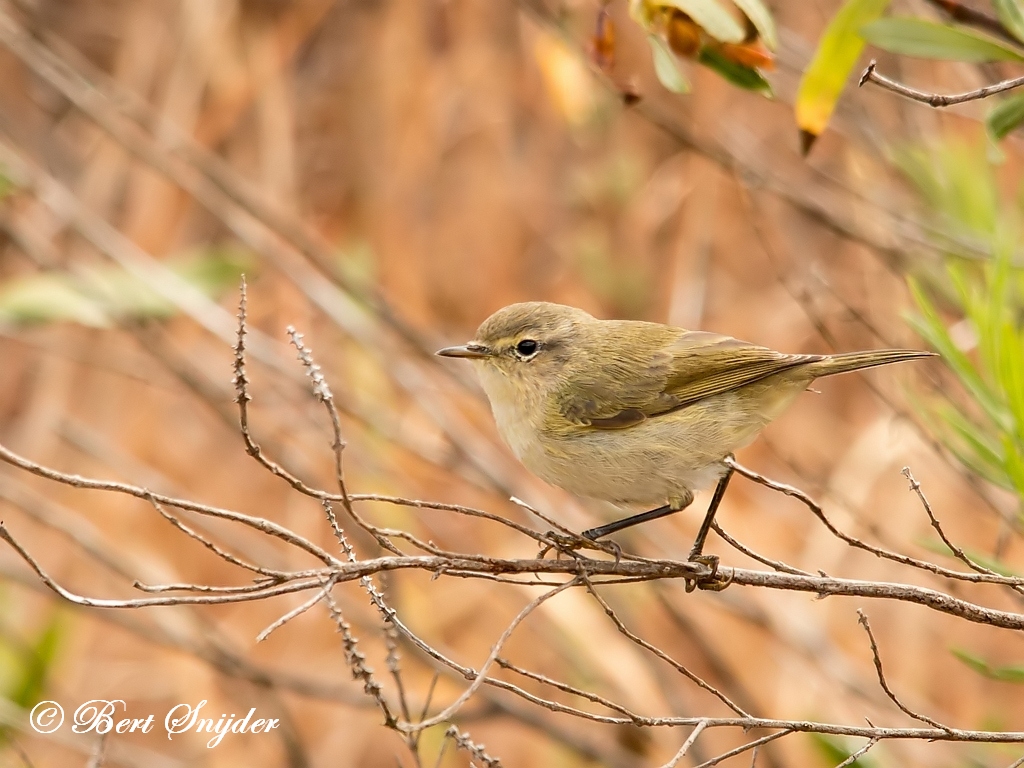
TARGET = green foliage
(1007,115)
(720,40)
(1011,14)
(743,77)
(834,750)
(26,663)
(859,21)
(982,559)
(712,17)
(838,50)
(1014,674)
(99,296)
(973,315)
(761,18)
(666,67)
(931,40)
(36,662)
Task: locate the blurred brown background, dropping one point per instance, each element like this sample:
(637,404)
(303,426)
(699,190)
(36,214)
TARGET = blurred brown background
(446,157)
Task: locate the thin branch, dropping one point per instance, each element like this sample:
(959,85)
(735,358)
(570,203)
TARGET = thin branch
(459,508)
(257,523)
(462,741)
(924,565)
(957,551)
(454,707)
(212,599)
(778,565)
(566,688)
(858,754)
(876,657)
(157,588)
(623,629)
(357,662)
(298,610)
(754,745)
(394,667)
(322,392)
(938,100)
(686,745)
(213,547)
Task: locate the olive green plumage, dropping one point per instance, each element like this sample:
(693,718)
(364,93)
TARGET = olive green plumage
(634,412)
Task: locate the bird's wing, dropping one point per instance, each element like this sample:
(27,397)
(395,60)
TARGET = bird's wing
(677,370)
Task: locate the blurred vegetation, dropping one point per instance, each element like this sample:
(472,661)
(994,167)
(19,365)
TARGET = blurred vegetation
(972,312)
(26,660)
(834,750)
(460,156)
(1007,674)
(101,295)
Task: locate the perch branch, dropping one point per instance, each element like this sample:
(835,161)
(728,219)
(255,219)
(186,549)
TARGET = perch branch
(937,100)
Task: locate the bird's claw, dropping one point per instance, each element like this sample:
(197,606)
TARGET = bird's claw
(570,544)
(710,581)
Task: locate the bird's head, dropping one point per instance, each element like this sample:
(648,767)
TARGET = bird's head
(527,345)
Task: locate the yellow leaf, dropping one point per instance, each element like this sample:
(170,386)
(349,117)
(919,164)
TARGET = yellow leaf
(566,79)
(826,75)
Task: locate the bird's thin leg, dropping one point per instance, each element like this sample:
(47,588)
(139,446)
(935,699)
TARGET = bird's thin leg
(705,527)
(628,522)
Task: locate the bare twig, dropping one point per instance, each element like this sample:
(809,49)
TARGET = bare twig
(876,657)
(778,565)
(796,493)
(298,610)
(701,683)
(462,741)
(565,687)
(755,744)
(454,707)
(938,100)
(957,551)
(357,662)
(256,523)
(213,547)
(686,745)
(853,758)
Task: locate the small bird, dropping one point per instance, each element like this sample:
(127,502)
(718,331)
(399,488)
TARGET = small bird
(631,412)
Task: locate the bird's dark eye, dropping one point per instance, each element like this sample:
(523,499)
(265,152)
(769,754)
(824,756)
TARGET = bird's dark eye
(526,347)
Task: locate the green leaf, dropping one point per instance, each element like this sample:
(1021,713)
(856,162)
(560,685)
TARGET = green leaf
(97,296)
(712,17)
(933,330)
(826,75)
(973,446)
(737,74)
(1011,13)
(1013,674)
(1005,116)
(996,566)
(930,40)
(762,20)
(48,297)
(37,662)
(666,67)
(834,749)
(1011,373)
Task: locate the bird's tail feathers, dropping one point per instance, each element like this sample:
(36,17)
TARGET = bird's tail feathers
(830,365)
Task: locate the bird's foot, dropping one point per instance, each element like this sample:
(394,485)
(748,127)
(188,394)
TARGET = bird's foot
(712,580)
(570,544)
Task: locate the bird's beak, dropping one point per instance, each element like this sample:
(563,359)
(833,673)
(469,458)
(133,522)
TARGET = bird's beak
(471,350)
